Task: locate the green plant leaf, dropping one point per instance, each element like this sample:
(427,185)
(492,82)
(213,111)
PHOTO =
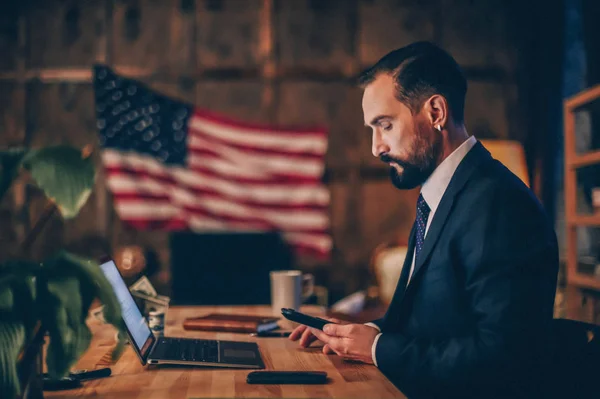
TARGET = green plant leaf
(72,284)
(10,162)
(65,174)
(17,317)
(12,338)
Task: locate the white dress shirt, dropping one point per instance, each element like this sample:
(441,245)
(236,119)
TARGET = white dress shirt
(433,190)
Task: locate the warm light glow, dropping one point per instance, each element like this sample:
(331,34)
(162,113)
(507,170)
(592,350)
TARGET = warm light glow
(511,154)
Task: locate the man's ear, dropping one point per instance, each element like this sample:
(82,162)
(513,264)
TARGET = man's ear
(437,111)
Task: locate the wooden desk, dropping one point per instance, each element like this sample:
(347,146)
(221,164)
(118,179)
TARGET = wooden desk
(130,379)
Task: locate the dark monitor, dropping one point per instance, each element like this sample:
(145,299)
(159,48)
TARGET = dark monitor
(225,268)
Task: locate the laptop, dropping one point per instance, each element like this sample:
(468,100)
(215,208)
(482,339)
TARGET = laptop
(171,350)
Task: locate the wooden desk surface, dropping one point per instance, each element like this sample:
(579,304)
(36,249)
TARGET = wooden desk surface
(130,379)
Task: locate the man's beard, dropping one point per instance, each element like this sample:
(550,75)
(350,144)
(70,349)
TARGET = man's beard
(418,168)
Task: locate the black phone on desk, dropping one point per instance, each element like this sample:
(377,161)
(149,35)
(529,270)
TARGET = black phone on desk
(298,317)
(287,377)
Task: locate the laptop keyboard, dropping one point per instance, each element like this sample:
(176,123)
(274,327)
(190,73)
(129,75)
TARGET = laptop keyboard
(190,350)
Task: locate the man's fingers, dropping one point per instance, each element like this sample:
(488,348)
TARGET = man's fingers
(333,342)
(327,350)
(307,338)
(297,333)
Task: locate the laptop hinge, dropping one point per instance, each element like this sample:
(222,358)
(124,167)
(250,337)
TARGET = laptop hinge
(151,349)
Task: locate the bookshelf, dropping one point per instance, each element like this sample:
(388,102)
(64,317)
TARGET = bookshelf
(580,285)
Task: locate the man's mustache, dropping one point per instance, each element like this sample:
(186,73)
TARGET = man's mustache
(389,159)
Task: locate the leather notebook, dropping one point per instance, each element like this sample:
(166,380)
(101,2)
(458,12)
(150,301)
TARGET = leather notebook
(231,323)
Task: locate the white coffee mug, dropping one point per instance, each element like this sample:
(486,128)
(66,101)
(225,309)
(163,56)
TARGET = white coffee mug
(289,289)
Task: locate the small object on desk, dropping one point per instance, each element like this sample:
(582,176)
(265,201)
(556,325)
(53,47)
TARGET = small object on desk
(287,377)
(231,323)
(83,375)
(156,320)
(272,334)
(62,384)
(143,285)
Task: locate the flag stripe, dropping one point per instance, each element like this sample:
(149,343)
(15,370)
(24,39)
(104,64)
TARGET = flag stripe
(301,143)
(260,128)
(139,163)
(195,181)
(228,211)
(124,181)
(156,196)
(156,224)
(253,149)
(273,164)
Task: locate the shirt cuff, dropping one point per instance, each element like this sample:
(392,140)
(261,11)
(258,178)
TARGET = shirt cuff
(373,349)
(373,325)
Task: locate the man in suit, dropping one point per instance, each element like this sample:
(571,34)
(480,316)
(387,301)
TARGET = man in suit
(472,309)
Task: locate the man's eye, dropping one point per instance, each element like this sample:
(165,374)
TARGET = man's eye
(386,126)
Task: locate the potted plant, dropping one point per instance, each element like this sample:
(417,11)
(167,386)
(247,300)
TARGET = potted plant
(49,298)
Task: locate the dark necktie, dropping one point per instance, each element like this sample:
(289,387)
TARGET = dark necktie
(422,215)
(420,225)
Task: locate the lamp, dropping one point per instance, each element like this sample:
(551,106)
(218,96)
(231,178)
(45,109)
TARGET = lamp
(511,154)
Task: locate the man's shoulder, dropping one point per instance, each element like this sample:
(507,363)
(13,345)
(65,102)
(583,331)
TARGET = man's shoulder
(498,195)
(493,181)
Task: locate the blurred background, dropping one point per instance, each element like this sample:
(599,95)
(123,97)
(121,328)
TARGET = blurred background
(293,62)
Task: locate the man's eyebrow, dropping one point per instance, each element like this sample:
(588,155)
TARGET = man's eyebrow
(377,119)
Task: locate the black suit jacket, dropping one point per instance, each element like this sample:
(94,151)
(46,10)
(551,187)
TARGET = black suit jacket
(473,322)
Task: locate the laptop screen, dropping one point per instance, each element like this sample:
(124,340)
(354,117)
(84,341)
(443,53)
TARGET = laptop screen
(135,322)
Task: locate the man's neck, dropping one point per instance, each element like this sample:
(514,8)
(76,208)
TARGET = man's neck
(455,137)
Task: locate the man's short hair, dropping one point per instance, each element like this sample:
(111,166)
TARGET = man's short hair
(421,70)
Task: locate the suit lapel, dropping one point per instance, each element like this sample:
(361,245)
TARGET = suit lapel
(407,262)
(464,171)
(400,288)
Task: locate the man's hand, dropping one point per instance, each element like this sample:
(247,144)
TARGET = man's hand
(351,341)
(306,337)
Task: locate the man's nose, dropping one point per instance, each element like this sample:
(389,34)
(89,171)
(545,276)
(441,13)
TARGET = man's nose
(378,146)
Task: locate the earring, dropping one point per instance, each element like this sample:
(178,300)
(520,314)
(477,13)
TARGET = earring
(439,128)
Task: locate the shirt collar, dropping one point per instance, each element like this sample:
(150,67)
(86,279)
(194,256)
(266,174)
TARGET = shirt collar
(435,186)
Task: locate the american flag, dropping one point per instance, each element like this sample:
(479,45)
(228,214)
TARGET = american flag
(173,166)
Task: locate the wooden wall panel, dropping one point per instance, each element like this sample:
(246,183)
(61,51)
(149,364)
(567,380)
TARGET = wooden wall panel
(87,223)
(152,35)
(386,26)
(474,32)
(390,213)
(62,113)
(228,33)
(334,105)
(12,130)
(486,110)
(51,237)
(239,100)
(316,34)
(65,33)
(9,33)
(344,238)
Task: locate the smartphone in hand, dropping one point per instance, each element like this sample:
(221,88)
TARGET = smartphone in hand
(314,322)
